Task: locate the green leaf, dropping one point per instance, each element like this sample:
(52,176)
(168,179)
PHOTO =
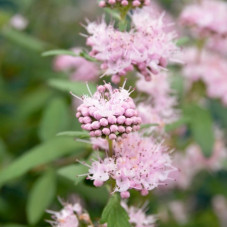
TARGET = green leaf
(183,41)
(75,134)
(86,56)
(24,40)
(145,126)
(78,88)
(55,119)
(40,197)
(113,13)
(14,225)
(34,101)
(59,52)
(170,127)
(114,214)
(71,172)
(39,155)
(201,126)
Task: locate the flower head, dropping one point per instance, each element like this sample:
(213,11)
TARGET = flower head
(148,48)
(123,3)
(79,68)
(137,216)
(108,112)
(210,68)
(138,163)
(68,216)
(207,18)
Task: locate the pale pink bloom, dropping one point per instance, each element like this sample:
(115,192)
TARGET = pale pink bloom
(210,68)
(122,3)
(220,208)
(79,68)
(138,163)
(108,112)
(207,18)
(218,45)
(160,106)
(178,210)
(68,216)
(147,48)
(18,22)
(138,217)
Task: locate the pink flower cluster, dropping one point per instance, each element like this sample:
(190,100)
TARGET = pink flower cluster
(79,68)
(137,216)
(148,49)
(68,216)
(118,3)
(208,18)
(160,106)
(210,68)
(109,112)
(138,163)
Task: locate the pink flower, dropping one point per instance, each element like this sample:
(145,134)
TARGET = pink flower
(137,216)
(160,106)
(210,68)
(147,48)
(18,22)
(138,163)
(218,45)
(79,68)
(68,216)
(120,3)
(206,18)
(109,112)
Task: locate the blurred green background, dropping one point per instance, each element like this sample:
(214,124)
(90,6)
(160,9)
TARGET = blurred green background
(34,107)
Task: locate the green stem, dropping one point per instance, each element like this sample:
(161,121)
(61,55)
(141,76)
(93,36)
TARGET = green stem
(110,144)
(123,21)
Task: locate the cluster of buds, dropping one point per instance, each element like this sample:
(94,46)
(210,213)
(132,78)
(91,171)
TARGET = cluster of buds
(119,3)
(148,49)
(108,113)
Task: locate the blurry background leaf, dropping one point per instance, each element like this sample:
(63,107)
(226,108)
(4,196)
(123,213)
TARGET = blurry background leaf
(75,134)
(55,119)
(72,172)
(40,197)
(58,52)
(24,40)
(78,88)
(39,155)
(201,125)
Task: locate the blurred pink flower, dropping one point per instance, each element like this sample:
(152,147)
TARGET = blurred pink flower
(218,45)
(68,216)
(160,106)
(138,163)
(210,68)
(18,22)
(118,3)
(207,18)
(79,68)
(138,217)
(220,208)
(108,112)
(147,48)
(194,157)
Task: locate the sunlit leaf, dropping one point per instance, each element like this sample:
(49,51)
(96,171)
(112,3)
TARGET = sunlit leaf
(40,197)
(78,88)
(114,214)
(59,52)
(75,134)
(39,155)
(55,119)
